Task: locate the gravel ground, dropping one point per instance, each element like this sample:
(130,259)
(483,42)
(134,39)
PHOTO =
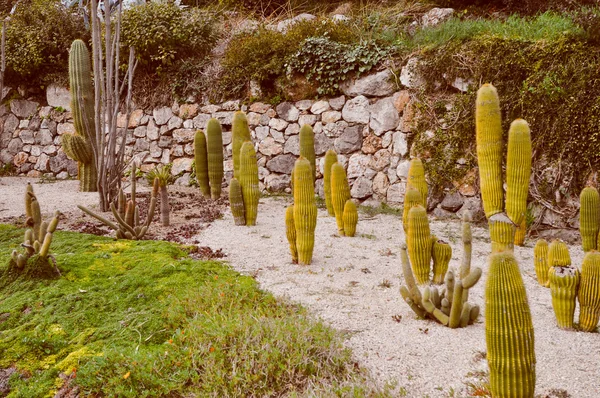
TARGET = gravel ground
(353,286)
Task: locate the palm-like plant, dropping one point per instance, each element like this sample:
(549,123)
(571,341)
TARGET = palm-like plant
(163,174)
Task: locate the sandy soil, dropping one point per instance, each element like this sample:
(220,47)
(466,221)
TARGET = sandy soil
(347,287)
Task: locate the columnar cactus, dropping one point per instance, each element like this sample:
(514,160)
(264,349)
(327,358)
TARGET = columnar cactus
(340,193)
(449,307)
(240,133)
(520,233)
(35,261)
(508,330)
(442,253)
(350,217)
(589,218)
(502,221)
(416,179)
(82,146)
(564,283)
(214,148)
(330,159)
(412,197)
(307,147)
(127,214)
(236,202)
(589,292)
(290,233)
(419,243)
(249,181)
(540,261)
(305,210)
(201,162)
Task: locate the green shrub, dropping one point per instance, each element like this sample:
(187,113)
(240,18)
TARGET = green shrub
(38,38)
(163,33)
(329,63)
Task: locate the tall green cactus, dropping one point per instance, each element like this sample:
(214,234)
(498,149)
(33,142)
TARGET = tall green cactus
(330,159)
(442,253)
(214,148)
(290,232)
(540,261)
(82,146)
(419,243)
(416,179)
(236,202)
(488,127)
(518,170)
(249,181)
(340,193)
(305,210)
(502,222)
(307,147)
(589,218)
(240,133)
(508,330)
(412,197)
(520,233)
(350,217)
(201,162)
(589,292)
(564,284)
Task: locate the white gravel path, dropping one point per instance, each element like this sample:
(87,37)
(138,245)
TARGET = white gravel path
(343,287)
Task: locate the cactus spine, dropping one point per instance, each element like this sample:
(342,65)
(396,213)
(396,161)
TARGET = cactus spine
(502,222)
(249,181)
(589,218)
(305,210)
(214,148)
(540,261)
(416,179)
(412,197)
(488,126)
(307,147)
(442,253)
(340,193)
(240,133)
(589,292)
(419,243)
(350,217)
(201,162)
(290,233)
(236,202)
(330,159)
(82,146)
(508,330)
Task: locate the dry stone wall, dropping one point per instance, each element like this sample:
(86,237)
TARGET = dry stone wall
(369,132)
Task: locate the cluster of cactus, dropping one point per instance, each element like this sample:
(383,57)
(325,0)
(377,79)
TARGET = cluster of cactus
(448,306)
(35,259)
(337,195)
(244,191)
(503,215)
(127,213)
(508,329)
(301,217)
(567,284)
(82,145)
(163,175)
(208,158)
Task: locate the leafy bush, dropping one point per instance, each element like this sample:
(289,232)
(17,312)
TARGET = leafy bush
(329,63)
(163,33)
(38,38)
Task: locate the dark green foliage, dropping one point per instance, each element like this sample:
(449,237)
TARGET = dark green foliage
(329,63)
(38,38)
(163,33)
(523,6)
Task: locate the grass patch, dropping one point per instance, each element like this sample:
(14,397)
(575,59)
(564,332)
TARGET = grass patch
(140,318)
(383,208)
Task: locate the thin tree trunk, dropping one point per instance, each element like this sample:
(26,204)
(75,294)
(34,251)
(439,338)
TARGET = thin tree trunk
(2,60)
